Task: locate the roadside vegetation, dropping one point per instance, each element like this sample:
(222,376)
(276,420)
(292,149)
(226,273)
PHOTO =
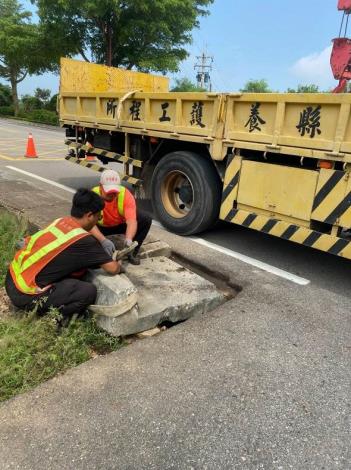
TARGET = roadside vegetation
(40,107)
(32,349)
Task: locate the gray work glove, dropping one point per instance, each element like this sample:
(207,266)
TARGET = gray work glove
(108,246)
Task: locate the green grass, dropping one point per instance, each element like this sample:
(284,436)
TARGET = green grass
(32,349)
(11,230)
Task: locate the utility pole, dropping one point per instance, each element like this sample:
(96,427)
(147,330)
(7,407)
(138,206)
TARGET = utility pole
(203,71)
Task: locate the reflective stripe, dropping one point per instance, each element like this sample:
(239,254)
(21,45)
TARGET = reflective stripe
(22,283)
(120,202)
(18,267)
(56,232)
(35,237)
(50,247)
(96,189)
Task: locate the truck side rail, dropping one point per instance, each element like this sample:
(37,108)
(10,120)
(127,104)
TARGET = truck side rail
(313,125)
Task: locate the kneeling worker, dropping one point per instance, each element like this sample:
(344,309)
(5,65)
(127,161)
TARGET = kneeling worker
(119,215)
(45,272)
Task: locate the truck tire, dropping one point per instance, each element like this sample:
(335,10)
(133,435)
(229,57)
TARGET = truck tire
(186,192)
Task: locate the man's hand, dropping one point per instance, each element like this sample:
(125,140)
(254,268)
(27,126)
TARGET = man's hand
(128,242)
(20,244)
(108,246)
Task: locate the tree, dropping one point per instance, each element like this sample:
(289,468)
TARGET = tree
(304,89)
(5,95)
(22,48)
(52,104)
(29,103)
(142,34)
(43,95)
(256,86)
(184,84)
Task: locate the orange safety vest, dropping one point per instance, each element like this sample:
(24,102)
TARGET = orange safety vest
(106,220)
(40,249)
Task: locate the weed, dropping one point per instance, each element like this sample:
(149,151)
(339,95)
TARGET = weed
(32,349)
(11,230)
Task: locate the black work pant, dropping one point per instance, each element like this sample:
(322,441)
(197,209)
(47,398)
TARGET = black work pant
(69,296)
(143,227)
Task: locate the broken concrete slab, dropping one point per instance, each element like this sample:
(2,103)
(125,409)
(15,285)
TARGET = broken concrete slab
(149,333)
(156,248)
(121,325)
(116,295)
(166,291)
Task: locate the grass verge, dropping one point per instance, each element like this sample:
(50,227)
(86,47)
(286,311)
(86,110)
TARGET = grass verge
(31,348)
(11,230)
(32,351)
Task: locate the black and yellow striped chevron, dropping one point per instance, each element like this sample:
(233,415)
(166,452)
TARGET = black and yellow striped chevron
(105,153)
(332,201)
(295,233)
(98,168)
(230,185)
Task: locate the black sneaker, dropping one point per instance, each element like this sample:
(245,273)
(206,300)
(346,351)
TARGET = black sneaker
(134,259)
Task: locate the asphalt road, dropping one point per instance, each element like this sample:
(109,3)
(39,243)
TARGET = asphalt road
(323,270)
(262,382)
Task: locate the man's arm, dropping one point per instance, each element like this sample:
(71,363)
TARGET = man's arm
(113,267)
(106,244)
(95,232)
(131,230)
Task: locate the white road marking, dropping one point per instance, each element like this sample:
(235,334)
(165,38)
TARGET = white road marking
(40,178)
(233,254)
(254,262)
(247,259)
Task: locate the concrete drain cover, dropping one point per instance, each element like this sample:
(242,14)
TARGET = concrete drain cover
(166,291)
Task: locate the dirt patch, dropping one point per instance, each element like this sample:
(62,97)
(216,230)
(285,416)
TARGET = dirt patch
(6,308)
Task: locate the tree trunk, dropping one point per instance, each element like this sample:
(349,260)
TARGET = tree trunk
(13,81)
(109,45)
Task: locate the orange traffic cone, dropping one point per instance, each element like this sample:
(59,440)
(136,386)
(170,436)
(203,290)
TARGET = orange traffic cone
(30,152)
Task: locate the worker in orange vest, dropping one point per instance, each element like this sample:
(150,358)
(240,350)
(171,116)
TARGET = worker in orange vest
(119,216)
(46,271)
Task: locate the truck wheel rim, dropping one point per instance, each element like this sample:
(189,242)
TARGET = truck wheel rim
(177,194)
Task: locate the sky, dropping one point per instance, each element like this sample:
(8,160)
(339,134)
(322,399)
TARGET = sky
(285,42)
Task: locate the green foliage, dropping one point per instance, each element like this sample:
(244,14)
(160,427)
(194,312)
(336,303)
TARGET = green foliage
(304,89)
(5,95)
(142,34)
(7,110)
(43,116)
(256,86)
(184,84)
(43,95)
(23,49)
(11,230)
(52,103)
(32,350)
(29,103)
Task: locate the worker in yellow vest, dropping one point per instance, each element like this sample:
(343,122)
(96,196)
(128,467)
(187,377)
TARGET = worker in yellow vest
(47,271)
(119,216)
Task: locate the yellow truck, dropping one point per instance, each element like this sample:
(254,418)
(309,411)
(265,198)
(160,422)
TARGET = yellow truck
(276,163)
